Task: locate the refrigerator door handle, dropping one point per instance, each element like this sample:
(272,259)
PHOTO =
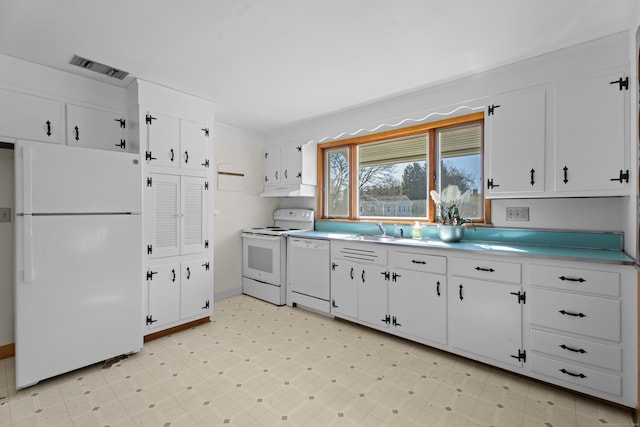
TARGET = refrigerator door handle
(27,181)
(27,242)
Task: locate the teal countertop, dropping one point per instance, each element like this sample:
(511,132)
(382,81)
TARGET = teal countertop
(577,246)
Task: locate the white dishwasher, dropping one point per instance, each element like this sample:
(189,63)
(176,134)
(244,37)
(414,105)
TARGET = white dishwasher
(308,273)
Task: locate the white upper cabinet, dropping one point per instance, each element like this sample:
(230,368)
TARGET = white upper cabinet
(589,134)
(195,139)
(177,143)
(290,164)
(163,140)
(30,117)
(515,129)
(93,128)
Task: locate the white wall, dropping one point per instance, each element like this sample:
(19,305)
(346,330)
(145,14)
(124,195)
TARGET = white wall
(235,210)
(611,214)
(6,248)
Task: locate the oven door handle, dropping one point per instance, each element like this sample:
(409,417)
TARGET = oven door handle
(260,236)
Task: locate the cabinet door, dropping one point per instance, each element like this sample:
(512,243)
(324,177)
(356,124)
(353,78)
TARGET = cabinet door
(418,302)
(372,294)
(193,214)
(485,319)
(197,288)
(291,164)
(344,288)
(163,287)
(195,141)
(161,219)
(516,143)
(163,140)
(590,134)
(88,127)
(29,117)
(272,166)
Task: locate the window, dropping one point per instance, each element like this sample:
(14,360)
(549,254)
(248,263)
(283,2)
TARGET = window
(390,174)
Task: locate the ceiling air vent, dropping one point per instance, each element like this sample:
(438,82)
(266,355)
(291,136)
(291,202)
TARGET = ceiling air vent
(98,67)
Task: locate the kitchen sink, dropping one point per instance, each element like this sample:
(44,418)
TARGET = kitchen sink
(375,238)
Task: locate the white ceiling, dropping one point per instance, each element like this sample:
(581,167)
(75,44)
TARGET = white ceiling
(271,63)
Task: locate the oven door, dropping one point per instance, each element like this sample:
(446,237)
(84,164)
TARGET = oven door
(261,257)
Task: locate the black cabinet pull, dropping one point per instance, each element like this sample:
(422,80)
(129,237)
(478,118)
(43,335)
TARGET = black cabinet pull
(461,292)
(122,122)
(206,132)
(438,288)
(572,279)
(333,303)
(173,272)
(188,273)
(580,375)
(186,157)
(276,174)
(490,270)
(122,144)
(570,313)
(333,266)
(575,350)
(173,155)
(565,170)
(48,123)
(362,276)
(149,118)
(77,133)
(351,273)
(532,172)
(385,274)
(415,261)
(395,277)
(299,175)
(285,174)
(623,83)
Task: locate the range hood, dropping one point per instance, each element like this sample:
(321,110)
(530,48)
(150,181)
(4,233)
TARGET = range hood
(289,190)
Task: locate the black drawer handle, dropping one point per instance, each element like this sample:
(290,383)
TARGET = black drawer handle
(580,375)
(569,313)
(438,288)
(351,273)
(461,292)
(572,279)
(362,276)
(415,261)
(490,270)
(575,350)
(333,304)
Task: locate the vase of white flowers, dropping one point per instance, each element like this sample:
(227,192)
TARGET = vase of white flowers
(448,204)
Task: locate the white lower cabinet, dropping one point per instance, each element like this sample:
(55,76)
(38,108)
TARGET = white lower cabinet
(569,323)
(485,316)
(178,291)
(582,328)
(418,295)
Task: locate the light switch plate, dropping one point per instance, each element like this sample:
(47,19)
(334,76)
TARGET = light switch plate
(5,214)
(517,214)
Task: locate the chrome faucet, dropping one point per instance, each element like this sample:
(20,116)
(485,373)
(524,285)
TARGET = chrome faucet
(381,227)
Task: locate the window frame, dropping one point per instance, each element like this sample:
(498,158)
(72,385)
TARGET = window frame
(353,143)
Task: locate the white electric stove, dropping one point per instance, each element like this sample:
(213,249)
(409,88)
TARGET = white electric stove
(264,254)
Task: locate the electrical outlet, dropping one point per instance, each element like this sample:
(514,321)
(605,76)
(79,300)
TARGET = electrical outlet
(5,214)
(517,214)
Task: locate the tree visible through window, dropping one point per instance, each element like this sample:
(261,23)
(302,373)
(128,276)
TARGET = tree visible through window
(392,175)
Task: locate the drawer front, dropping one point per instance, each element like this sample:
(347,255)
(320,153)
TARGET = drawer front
(582,351)
(579,314)
(484,269)
(579,280)
(362,253)
(574,374)
(420,262)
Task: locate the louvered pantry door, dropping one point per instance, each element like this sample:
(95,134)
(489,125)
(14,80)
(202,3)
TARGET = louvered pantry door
(193,226)
(162,216)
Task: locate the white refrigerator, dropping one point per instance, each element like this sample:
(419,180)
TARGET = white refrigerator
(78,258)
